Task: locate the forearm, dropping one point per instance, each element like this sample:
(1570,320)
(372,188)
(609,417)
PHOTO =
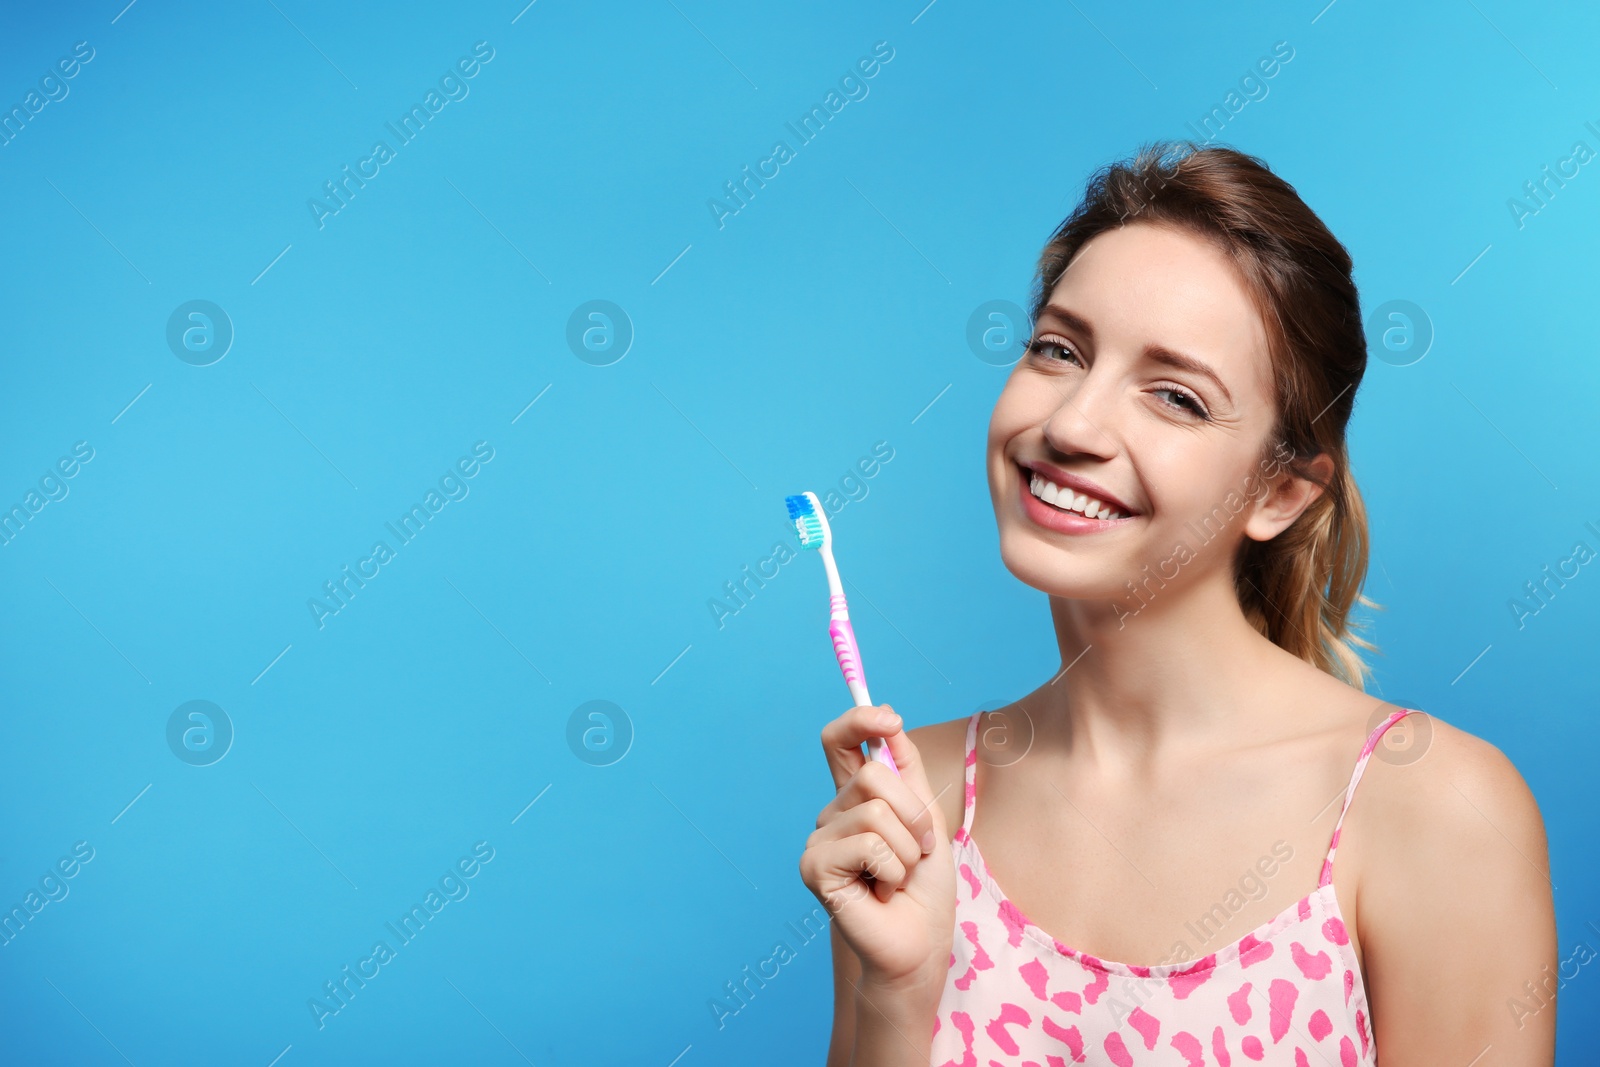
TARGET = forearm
(893,1028)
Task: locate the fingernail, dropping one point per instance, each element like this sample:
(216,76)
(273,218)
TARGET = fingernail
(888,718)
(927,842)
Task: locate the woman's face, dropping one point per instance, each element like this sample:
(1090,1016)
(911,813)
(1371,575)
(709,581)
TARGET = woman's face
(1100,407)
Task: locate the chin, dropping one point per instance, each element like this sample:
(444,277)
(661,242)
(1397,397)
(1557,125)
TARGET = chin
(1059,571)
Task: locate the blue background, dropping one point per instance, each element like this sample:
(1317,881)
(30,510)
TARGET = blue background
(769,355)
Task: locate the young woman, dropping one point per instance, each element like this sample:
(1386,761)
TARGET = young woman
(1177,864)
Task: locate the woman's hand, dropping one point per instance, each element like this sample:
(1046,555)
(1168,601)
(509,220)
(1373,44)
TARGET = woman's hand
(880,861)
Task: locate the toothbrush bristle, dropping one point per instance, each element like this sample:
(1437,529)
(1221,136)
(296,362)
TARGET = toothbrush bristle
(810,531)
(806,522)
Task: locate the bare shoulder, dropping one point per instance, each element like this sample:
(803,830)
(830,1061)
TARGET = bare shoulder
(1428,785)
(1441,791)
(1451,877)
(943,747)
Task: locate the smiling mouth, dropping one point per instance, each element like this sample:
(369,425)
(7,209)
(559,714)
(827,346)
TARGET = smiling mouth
(1063,499)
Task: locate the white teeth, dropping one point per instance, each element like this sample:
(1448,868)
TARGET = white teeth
(1066,499)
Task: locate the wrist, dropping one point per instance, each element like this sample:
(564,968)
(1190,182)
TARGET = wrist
(894,1022)
(902,997)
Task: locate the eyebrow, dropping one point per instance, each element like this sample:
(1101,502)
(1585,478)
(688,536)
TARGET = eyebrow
(1156,353)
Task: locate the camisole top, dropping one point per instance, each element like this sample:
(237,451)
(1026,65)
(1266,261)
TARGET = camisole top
(1288,992)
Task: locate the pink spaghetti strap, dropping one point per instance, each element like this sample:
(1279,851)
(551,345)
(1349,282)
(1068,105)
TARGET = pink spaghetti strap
(1350,791)
(971,773)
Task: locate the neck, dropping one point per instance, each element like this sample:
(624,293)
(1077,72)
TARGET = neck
(1136,686)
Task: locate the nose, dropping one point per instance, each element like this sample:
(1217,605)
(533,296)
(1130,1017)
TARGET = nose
(1081,422)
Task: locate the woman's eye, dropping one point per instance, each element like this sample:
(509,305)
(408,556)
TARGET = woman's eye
(1184,401)
(1051,351)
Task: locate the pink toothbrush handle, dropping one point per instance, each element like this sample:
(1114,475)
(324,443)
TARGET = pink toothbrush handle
(877,749)
(849,655)
(844,647)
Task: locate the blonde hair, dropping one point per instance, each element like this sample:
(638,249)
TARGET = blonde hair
(1297,589)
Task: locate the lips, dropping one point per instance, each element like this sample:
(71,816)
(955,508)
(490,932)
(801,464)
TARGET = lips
(1073,492)
(1052,518)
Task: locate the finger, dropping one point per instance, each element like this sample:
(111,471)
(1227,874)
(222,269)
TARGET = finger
(914,773)
(885,869)
(878,816)
(875,782)
(833,870)
(843,737)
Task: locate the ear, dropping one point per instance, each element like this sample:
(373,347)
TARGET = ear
(1287,499)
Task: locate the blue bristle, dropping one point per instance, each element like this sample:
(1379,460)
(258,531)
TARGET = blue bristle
(806,522)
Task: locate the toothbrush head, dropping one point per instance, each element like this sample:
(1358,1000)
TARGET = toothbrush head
(809,520)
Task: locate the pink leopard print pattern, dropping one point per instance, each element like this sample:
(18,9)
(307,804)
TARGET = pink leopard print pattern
(1289,992)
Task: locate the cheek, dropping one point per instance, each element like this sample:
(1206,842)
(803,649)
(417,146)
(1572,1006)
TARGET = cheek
(1179,472)
(1003,426)
(1016,418)
(1020,406)
(1195,488)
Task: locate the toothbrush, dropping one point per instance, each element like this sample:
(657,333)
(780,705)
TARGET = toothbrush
(811,523)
